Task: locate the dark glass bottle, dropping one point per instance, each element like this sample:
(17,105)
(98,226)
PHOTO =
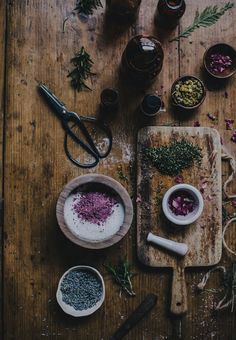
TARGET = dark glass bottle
(169,12)
(151,105)
(142,60)
(124,10)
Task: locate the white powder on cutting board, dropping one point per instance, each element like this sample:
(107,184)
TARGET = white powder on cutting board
(91,231)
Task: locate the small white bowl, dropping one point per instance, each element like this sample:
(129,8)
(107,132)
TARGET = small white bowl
(191,217)
(69,309)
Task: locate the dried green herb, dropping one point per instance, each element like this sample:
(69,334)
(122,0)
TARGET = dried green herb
(122,275)
(159,194)
(121,174)
(208,17)
(84,7)
(82,70)
(87,6)
(172,159)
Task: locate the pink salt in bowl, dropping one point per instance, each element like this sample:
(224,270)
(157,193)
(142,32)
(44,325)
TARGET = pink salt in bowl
(94,211)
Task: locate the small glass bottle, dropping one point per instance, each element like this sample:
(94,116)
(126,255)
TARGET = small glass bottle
(142,60)
(123,10)
(109,100)
(169,12)
(151,105)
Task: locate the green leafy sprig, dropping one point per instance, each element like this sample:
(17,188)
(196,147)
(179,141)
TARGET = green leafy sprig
(83,7)
(82,70)
(208,17)
(87,6)
(122,275)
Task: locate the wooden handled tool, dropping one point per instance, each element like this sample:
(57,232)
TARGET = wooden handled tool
(146,305)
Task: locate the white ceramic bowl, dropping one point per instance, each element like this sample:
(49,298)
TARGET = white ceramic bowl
(191,217)
(69,309)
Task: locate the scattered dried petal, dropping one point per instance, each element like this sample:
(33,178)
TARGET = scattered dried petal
(179,179)
(229,124)
(233,138)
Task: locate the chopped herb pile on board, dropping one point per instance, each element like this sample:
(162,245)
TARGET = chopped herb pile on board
(172,159)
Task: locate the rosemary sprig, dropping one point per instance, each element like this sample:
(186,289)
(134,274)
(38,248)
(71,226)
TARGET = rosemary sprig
(82,70)
(208,17)
(85,7)
(122,275)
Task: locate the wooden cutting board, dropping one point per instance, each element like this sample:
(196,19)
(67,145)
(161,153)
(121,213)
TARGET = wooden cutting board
(204,237)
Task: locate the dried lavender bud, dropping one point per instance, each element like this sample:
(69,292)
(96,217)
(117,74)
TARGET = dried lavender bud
(81,289)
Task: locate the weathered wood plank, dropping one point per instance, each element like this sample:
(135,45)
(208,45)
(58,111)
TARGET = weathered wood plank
(200,322)
(36,170)
(2,109)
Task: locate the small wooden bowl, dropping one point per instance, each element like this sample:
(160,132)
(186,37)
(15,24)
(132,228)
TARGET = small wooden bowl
(226,50)
(185,77)
(112,185)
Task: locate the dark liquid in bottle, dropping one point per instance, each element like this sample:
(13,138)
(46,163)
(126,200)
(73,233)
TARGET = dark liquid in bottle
(142,60)
(169,12)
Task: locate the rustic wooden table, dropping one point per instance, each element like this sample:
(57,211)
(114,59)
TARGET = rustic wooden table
(34,169)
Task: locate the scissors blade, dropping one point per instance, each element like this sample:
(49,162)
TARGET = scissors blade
(56,104)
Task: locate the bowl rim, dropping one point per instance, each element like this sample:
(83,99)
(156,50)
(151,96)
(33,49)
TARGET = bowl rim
(205,64)
(183,106)
(100,179)
(171,217)
(69,309)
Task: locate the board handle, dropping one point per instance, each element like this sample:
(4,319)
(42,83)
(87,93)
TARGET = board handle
(179,304)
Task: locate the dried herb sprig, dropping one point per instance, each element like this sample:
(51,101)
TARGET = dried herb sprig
(85,7)
(208,17)
(122,275)
(172,159)
(82,70)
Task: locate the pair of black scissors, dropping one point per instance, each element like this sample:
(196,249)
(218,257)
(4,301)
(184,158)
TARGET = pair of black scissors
(87,143)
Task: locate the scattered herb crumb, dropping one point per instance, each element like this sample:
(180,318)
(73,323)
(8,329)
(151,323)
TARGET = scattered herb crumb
(121,174)
(211,116)
(83,64)
(122,275)
(159,194)
(172,159)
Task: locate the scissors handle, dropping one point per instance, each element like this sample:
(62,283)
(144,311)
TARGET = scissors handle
(103,127)
(91,148)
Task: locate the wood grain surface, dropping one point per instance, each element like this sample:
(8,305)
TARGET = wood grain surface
(204,237)
(36,253)
(2,111)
